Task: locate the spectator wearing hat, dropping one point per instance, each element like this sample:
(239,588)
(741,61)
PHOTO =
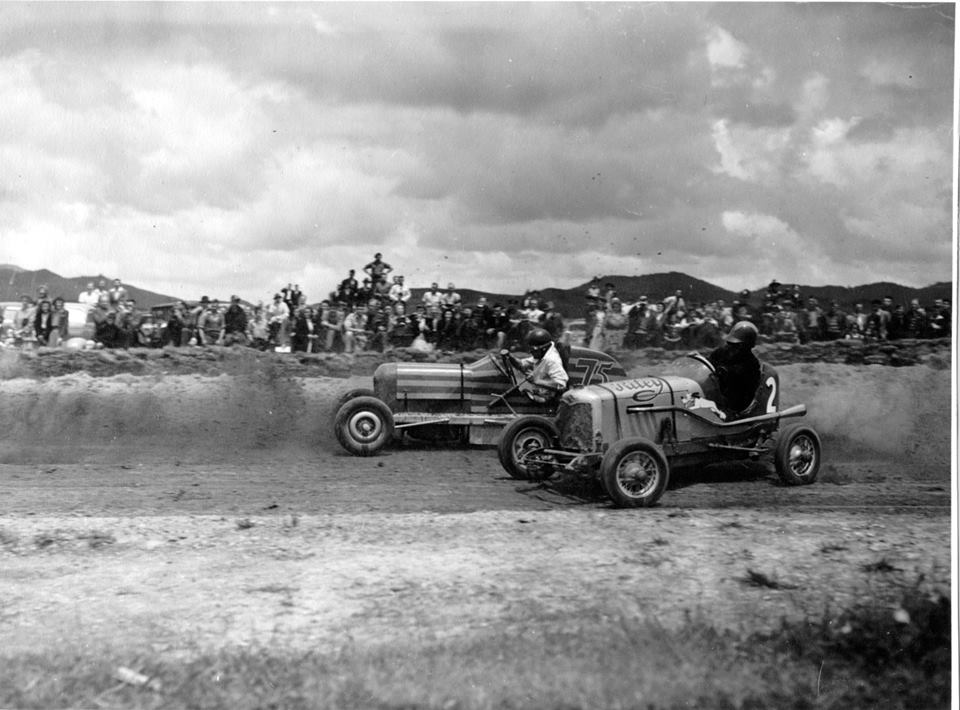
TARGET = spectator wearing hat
(235,323)
(552,321)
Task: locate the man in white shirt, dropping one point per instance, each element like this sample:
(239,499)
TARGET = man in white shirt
(546,376)
(399,292)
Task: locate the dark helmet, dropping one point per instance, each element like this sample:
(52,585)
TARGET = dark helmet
(742,332)
(538,338)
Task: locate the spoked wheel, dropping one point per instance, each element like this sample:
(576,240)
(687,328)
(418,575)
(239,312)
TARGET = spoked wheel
(364,425)
(635,473)
(797,456)
(522,437)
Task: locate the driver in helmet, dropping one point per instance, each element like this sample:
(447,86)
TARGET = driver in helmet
(544,367)
(738,370)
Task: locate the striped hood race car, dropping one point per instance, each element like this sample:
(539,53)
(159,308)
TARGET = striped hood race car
(469,403)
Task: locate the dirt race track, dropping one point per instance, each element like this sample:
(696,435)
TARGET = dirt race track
(176,513)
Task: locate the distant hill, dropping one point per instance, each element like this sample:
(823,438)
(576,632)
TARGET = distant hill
(15,282)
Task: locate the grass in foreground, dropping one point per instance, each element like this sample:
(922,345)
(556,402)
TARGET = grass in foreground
(867,657)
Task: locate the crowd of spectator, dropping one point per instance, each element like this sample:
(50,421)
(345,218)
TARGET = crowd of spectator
(377,312)
(780,314)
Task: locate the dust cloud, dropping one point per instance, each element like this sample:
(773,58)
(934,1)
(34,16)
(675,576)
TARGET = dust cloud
(861,412)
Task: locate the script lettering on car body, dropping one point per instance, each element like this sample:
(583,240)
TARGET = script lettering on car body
(647,388)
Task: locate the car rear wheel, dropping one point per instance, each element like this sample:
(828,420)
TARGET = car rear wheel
(797,455)
(364,425)
(635,473)
(519,439)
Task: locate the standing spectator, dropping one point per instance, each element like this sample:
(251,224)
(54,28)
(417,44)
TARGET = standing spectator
(914,322)
(381,291)
(637,335)
(364,292)
(118,294)
(176,326)
(43,322)
(235,323)
(277,314)
(614,326)
(811,321)
(534,312)
(674,303)
(128,320)
(857,322)
(399,293)
(594,297)
(59,322)
(211,324)
(349,288)
(89,297)
(194,315)
(451,299)
(552,321)
(433,306)
(939,321)
(377,269)
(834,322)
(876,322)
(786,324)
(609,293)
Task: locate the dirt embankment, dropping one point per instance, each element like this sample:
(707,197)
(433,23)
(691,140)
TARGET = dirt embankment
(239,361)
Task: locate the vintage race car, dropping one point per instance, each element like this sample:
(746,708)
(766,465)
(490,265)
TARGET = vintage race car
(466,402)
(630,433)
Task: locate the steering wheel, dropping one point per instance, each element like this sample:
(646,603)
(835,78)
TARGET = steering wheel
(703,361)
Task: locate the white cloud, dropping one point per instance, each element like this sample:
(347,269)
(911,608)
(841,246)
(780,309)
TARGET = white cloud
(724,51)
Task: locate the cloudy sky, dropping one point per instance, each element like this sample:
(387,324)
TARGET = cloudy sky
(216,148)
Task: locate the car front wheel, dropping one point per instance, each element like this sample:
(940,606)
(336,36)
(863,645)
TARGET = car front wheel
(634,473)
(364,425)
(519,439)
(797,455)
